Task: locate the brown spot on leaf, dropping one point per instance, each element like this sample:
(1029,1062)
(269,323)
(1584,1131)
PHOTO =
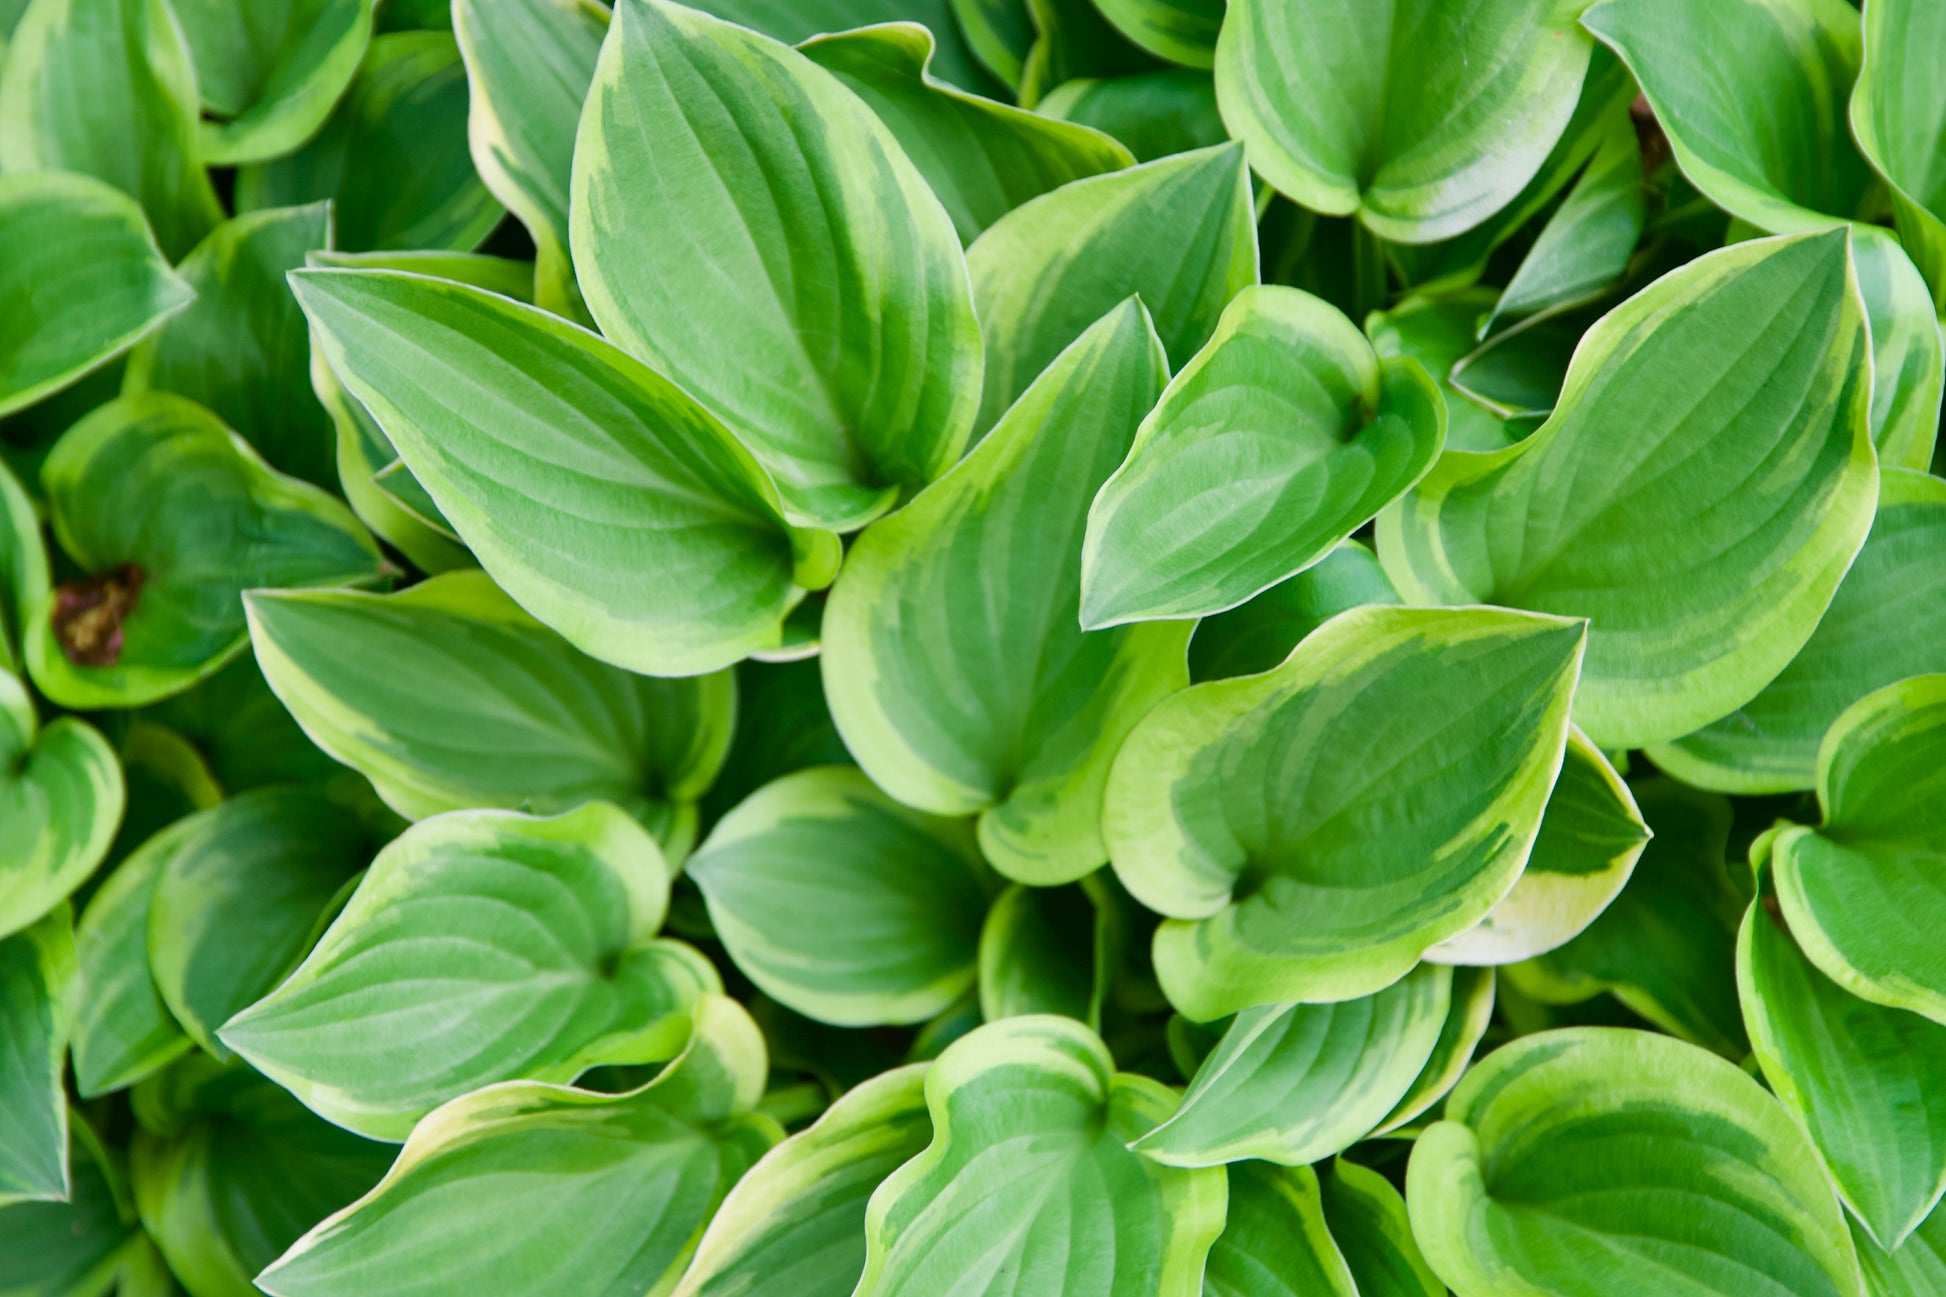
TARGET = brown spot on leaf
(88,615)
(1776,913)
(1648,135)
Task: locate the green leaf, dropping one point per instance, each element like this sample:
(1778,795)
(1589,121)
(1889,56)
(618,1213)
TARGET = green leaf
(1182,31)
(1471,1009)
(172,516)
(1440,332)
(842,904)
(270,71)
(238,899)
(1908,370)
(493,946)
(1296,1083)
(228,1170)
(1275,1242)
(982,158)
(241,349)
(393,157)
(529,1187)
(1666,945)
(1283,436)
(1745,364)
(567,466)
(1255,636)
(1000,33)
(1898,117)
(1368,1219)
(1180,233)
(782,726)
(1049,950)
(448,697)
(106,88)
(1863,894)
(123,1031)
(38,995)
(1424,119)
(61,797)
(1073,40)
(1917,1269)
(1028,1184)
(1591,836)
(24,576)
(1154,113)
(1312,831)
(1752,96)
(1597,1160)
(247,736)
(81,280)
(953,660)
(795,1222)
(71,1248)
(796,21)
(793,228)
(529,64)
(1857,1076)
(1887,622)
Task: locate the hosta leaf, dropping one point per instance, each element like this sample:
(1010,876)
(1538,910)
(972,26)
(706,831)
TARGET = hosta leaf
(123,1031)
(241,349)
(392,158)
(796,1219)
(1296,1083)
(61,798)
(269,71)
(793,227)
(567,467)
(228,1170)
(782,725)
(1073,40)
(1597,1160)
(1887,622)
(982,158)
(1257,635)
(173,517)
(1182,31)
(1283,436)
(1180,233)
(533,1188)
(247,736)
(1917,1269)
(842,904)
(448,697)
(1752,96)
(1591,836)
(1424,118)
(953,658)
(1866,893)
(796,21)
(1439,332)
(1311,831)
(24,575)
(1154,113)
(999,33)
(1908,369)
(1859,1077)
(1049,950)
(1368,1220)
(1029,1186)
(1744,365)
(105,88)
(1275,1242)
(1898,117)
(530,63)
(167,779)
(80,276)
(239,898)
(37,1000)
(1666,946)
(72,1248)
(1470,1009)
(493,946)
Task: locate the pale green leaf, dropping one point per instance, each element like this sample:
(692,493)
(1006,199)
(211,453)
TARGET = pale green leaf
(1275,1242)
(1471,1010)
(123,1031)
(791,226)
(1028,1184)
(567,467)
(491,946)
(1180,233)
(270,71)
(1908,369)
(61,798)
(37,999)
(954,661)
(842,904)
(1596,1161)
(1312,831)
(1898,117)
(1746,365)
(1284,435)
(1917,1269)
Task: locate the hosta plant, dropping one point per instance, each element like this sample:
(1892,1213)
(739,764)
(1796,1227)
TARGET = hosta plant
(972,648)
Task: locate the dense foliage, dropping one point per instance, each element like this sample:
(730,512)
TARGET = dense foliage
(972,648)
